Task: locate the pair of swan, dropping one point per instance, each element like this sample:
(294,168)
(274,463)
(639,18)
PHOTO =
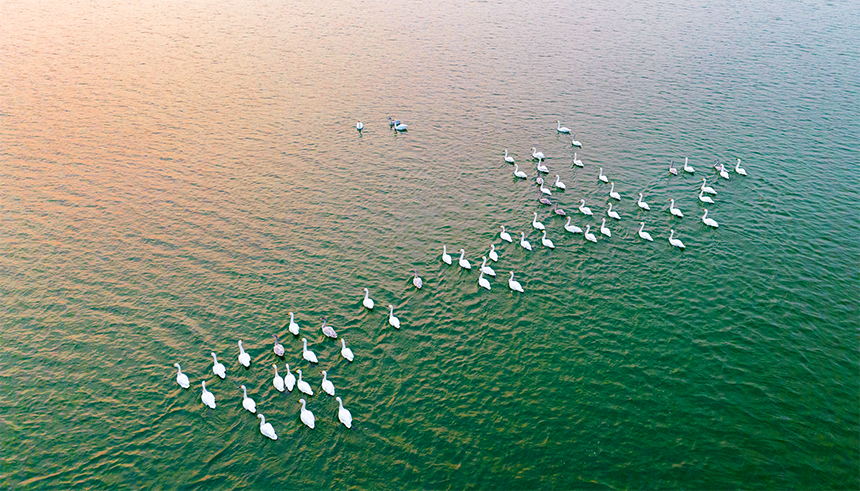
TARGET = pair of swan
(287,382)
(612,193)
(673,210)
(612,214)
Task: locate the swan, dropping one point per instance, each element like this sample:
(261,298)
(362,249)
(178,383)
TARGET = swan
(709,221)
(672,169)
(542,199)
(603,229)
(266,428)
(304,387)
(723,172)
(327,386)
(181,378)
(524,242)
(464,263)
(546,242)
(394,321)
(278,381)
(400,127)
(572,228)
(518,172)
(675,242)
(483,281)
(446,258)
(536,224)
(515,285)
(359,126)
(289,379)
(537,155)
(545,190)
(612,193)
(576,161)
(612,214)
(687,167)
(416,280)
(306,353)
(307,416)
(343,414)
(562,129)
(327,330)
(738,168)
(575,142)
(247,402)
(391,122)
(558,211)
(367,302)
(486,269)
(278,348)
(294,328)
(588,235)
(703,198)
(508,159)
(542,168)
(493,254)
(601,177)
(706,188)
(207,397)
(504,235)
(346,352)
(642,204)
(643,234)
(584,209)
(674,210)
(218,368)
(244,358)
(558,183)
(539,179)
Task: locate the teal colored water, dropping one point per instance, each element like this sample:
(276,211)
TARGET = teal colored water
(175,177)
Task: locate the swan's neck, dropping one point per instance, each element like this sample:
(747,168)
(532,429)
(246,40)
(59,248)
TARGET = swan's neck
(610,206)
(612,187)
(642,227)
(462,254)
(262,419)
(568,220)
(705,215)
(245,392)
(366,294)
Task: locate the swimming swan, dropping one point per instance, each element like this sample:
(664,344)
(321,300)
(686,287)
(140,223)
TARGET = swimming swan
(343,414)
(266,428)
(584,209)
(486,269)
(304,387)
(572,228)
(483,282)
(218,368)
(346,352)
(612,193)
(247,402)
(394,321)
(536,224)
(709,221)
(504,235)
(181,378)
(643,234)
(642,204)
(464,263)
(244,358)
(307,416)
(588,235)
(278,381)
(612,214)
(306,353)
(514,285)
(603,229)
(673,210)
(327,386)
(207,397)
(546,242)
(446,258)
(524,243)
(675,242)
(562,129)
(508,159)
(294,328)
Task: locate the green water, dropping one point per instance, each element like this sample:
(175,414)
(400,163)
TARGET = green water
(175,177)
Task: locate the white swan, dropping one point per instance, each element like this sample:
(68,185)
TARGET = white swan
(643,234)
(601,177)
(266,428)
(515,285)
(588,235)
(575,142)
(537,155)
(446,258)
(483,282)
(244,358)
(505,235)
(703,198)
(546,242)
(672,169)
(709,221)
(524,243)
(218,368)
(416,280)
(687,167)
(508,159)
(612,214)
(673,210)
(278,381)
(493,254)
(367,302)
(307,416)
(327,386)
(572,228)
(289,379)
(464,263)
(327,329)
(247,402)
(545,190)
(278,348)
(612,193)
(394,321)
(604,229)
(346,352)
(542,168)
(584,209)
(518,172)
(536,224)
(576,161)
(675,242)
(181,378)
(359,126)
(738,168)
(558,183)
(642,204)
(562,129)
(723,172)
(706,188)
(400,127)
(486,269)
(343,414)
(306,353)
(207,397)
(294,328)
(304,387)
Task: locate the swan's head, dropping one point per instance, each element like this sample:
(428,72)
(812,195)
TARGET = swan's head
(275,367)
(213,354)
(242,387)
(324,373)
(366,290)
(261,417)
(582,201)
(641,223)
(176,365)
(203,383)
(462,250)
(302,402)
(305,340)
(240,343)
(338,399)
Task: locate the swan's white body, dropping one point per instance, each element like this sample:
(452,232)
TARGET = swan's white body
(294,328)
(278,348)
(603,229)
(493,254)
(575,142)
(642,204)
(207,397)
(518,172)
(709,221)
(247,402)
(705,199)
(524,243)
(244,358)
(675,242)
(508,159)
(576,161)
(289,379)
(558,183)
(359,126)
(464,263)
(515,285)
(588,235)
(687,167)
(612,214)
(536,224)
(446,258)
(394,321)
(673,210)
(545,190)
(278,381)
(266,428)
(367,302)
(723,172)
(643,234)
(327,386)
(306,353)
(612,193)
(346,352)
(601,177)
(572,228)
(327,329)
(483,282)
(218,368)
(343,414)
(562,129)
(504,235)
(486,269)
(400,127)
(416,280)
(537,155)
(584,209)
(706,188)
(542,168)
(307,416)
(738,168)
(672,169)
(304,387)
(546,242)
